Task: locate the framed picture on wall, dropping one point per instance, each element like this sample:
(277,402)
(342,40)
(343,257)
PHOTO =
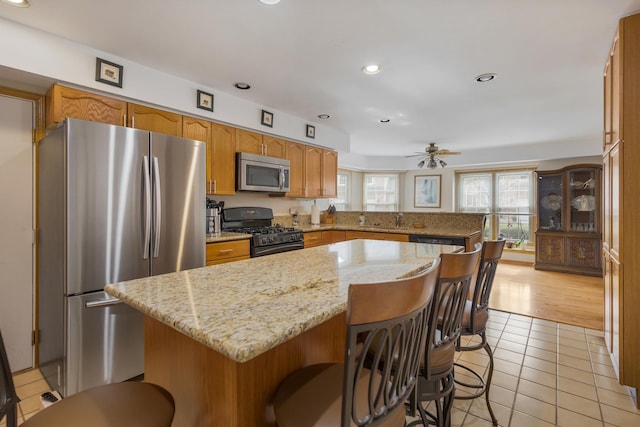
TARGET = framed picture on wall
(426,191)
(109,72)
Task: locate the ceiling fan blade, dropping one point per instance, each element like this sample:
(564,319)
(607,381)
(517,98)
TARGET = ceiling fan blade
(445,152)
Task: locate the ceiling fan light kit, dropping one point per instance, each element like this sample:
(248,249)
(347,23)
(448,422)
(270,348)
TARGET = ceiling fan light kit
(432,156)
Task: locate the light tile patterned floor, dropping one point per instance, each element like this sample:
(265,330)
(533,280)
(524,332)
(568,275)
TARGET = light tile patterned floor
(29,386)
(546,374)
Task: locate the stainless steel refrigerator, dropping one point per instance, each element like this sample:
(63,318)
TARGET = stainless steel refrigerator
(114,204)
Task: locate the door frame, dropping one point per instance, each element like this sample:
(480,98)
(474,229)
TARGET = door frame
(38,133)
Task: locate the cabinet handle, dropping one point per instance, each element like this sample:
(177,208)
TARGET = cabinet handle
(210,187)
(133,122)
(215,185)
(225,251)
(124,120)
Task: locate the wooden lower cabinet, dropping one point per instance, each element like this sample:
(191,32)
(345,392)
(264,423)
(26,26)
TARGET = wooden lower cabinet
(233,250)
(372,235)
(313,238)
(333,236)
(568,254)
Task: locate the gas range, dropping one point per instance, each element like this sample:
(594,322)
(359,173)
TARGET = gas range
(266,239)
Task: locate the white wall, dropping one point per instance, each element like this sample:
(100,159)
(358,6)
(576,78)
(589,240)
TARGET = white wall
(59,60)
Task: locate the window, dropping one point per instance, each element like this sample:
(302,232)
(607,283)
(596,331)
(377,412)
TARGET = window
(506,197)
(343,201)
(380,192)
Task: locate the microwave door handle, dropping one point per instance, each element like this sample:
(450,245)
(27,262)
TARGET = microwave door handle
(281,177)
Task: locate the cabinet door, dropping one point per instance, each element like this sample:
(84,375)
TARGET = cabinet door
(295,154)
(329,173)
(615,162)
(313,171)
(200,130)
(608,308)
(223,152)
(65,102)
(313,238)
(616,90)
(550,201)
(583,208)
(583,253)
(273,147)
(606,202)
(248,142)
(154,120)
(550,249)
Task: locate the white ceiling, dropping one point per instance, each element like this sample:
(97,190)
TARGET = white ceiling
(304,57)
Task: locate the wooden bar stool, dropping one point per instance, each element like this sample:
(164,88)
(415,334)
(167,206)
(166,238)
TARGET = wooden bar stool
(127,404)
(436,383)
(474,321)
(388,318)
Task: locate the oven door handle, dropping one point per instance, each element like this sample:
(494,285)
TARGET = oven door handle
(275,249)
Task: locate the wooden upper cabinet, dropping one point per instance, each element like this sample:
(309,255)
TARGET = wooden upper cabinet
(222,163)
(313,171)
(65,102)
(329,173)
(198,129)
(295,153)
(273,147)
(248,142)
(154,120)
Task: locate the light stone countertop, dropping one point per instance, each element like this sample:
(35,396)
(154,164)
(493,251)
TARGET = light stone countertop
(244,308)
(226,236)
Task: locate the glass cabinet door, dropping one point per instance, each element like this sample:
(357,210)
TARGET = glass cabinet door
(582,200)
(550,202)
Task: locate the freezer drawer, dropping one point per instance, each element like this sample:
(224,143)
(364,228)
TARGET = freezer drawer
(105,342)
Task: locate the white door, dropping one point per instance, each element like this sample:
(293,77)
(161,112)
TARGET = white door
(16,225)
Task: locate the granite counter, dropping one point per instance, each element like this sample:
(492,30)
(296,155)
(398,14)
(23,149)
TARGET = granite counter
(245,308)
(222,338)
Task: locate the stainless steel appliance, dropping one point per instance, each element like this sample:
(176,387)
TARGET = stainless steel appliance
(266,238)
(114,204)
(262,173)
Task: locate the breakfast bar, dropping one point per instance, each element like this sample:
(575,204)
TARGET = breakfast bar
(221,338)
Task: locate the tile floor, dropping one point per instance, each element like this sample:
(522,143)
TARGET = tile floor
(546,374)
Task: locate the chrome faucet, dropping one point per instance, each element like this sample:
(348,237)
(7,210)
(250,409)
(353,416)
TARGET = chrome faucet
(399,219)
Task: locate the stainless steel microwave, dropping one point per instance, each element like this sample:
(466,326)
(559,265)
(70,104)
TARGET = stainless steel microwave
(262,173)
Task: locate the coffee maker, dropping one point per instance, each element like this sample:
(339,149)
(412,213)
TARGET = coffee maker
(213,210)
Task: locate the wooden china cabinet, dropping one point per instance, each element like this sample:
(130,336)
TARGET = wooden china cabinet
(568,236)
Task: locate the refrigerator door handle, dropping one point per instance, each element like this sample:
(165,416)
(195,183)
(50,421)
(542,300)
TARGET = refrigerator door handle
(158,207)
(147,207)
(102,303)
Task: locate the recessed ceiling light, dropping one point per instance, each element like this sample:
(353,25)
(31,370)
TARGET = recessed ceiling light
(242,86)
(483,78)
(18,3)
(323,116)
(269,2)
(385,120)
(371,69)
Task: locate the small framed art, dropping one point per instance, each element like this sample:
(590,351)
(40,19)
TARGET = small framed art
(267,118)
(427,191)
(205,100)
(311,131)
(108,72)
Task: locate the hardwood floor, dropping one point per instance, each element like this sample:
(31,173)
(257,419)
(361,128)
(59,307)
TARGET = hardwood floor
(565,298)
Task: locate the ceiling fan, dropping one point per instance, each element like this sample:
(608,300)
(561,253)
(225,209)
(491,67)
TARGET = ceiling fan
(432,156)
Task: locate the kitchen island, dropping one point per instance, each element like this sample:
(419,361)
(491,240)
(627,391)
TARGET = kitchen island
(221,338)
